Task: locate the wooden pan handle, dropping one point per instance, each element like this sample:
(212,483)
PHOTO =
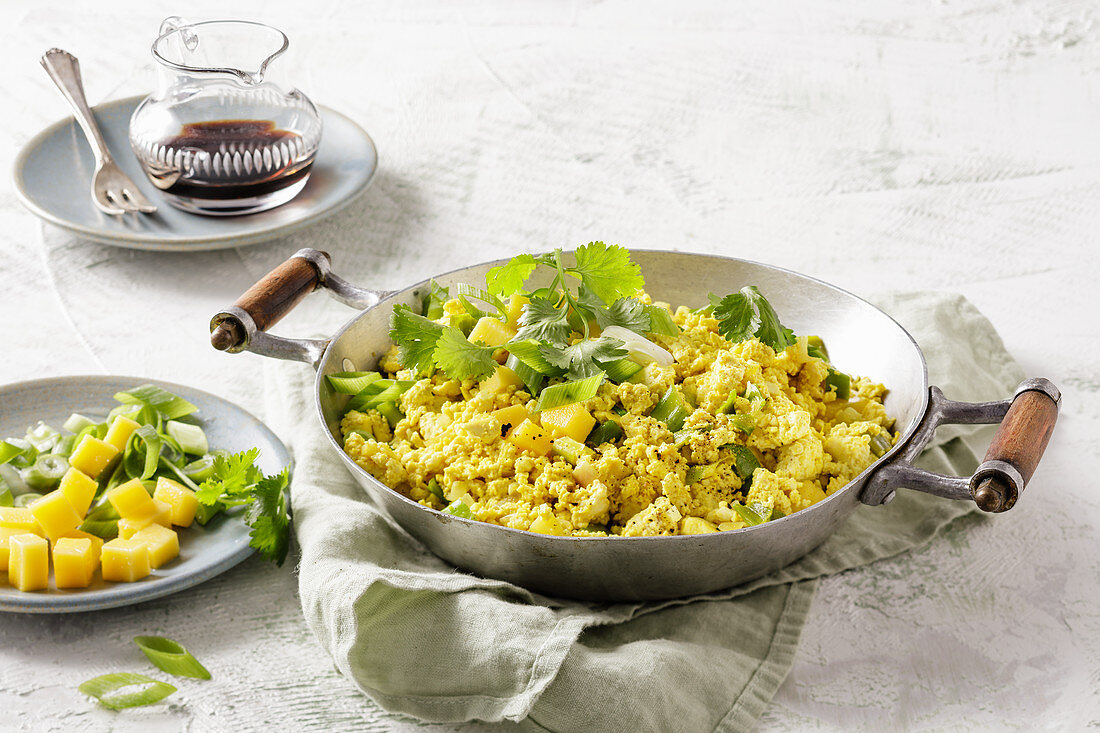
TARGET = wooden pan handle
(1016,449)
(273,297)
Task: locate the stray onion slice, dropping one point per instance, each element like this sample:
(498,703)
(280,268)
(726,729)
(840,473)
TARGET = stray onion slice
(126,690)
(641,349)
(170,656)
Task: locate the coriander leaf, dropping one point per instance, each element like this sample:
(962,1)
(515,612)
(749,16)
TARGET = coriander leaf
(607,271)
(233,474)
(543,320)
(747,313)
(509,278)
(267,516)
(581,359)
(458,358)
(416,337)
(629,313)
(434,300)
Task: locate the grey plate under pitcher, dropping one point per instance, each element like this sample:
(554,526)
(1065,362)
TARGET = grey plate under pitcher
(53,170)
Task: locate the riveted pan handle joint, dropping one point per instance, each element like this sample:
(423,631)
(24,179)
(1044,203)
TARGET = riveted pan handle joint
(1026,422)
(243,326)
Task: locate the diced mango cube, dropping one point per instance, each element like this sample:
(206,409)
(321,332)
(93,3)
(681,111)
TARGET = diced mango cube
(502,379)
(529,436)
(491,332)
(548,524)
(515,309)
(118,434)
(79,488)
(92,456)
(510,417)
(97,546)
(131,499)
(163,544)
(180,499)
(28,562)
(73,562)
(696,525)
(6,533)
(125,560)
(572,421)
(55,514)
(19,518)
(160,516)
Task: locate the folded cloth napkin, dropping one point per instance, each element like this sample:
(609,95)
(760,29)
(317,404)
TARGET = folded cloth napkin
(424,639)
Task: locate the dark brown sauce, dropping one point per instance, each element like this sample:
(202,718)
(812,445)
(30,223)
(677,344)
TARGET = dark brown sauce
(221,138)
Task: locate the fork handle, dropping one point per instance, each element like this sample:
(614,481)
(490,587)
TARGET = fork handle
(64,69)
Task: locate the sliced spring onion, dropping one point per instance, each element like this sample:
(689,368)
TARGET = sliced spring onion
(170,656)
(569,449)
(25,500)
(102,521)
(681,436)
(746,515)
(640,349)
(43,437)
(471,310)
(434,300)
(839,381)
(206,512)
(744,462)
(199,469)
(567,393)
(377,393)
(143,452)
(531,379)
(816,347)
(191,438)
(744,423)
(19,453)
(464,322)
(77,422)
(671,409)
(621,370)
(6,499)
(391,412)
(484,296)
(435,489)
(605,432)
(727,406)
(168,405)
(65,446)
(351,382)
(880,444)
(527,351)
(753,394)
(10,478)
(46,471)
(459,509)
(695,474)
(126,690)
(660,321)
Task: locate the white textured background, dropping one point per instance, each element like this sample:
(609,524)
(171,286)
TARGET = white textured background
(877,145)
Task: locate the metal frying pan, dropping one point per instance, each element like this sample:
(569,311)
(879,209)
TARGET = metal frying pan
(862,340)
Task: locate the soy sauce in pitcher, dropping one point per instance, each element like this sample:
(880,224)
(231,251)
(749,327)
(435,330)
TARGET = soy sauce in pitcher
(231,160)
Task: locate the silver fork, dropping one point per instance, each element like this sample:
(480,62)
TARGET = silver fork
(112,190)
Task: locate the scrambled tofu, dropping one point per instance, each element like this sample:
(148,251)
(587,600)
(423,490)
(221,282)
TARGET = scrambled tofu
(456,443)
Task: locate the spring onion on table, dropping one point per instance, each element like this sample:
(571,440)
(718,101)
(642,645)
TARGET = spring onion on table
(120,484)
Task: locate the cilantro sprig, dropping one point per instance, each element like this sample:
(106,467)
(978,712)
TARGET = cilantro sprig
(237,481)
(747,313)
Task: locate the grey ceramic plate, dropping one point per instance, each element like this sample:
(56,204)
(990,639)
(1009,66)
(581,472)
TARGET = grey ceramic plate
(204,551)
(53,176)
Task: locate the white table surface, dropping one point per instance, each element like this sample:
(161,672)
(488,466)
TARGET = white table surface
(877,145)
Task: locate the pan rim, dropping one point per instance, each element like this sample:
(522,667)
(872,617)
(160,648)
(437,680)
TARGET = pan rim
(802,515)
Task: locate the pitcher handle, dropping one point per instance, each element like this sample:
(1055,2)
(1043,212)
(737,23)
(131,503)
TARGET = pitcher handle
(243,326)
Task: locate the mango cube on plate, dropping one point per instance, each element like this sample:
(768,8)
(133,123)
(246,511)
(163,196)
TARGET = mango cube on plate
(55,514)
(529,436)
(163,543)
(7,533)
(491,332)
(79,488)
(124,560)
(19,518)
(28,562)
(74,562)
(181,499)
(92,456)
(119,432)
(131,499)
(161,515)
(79,534)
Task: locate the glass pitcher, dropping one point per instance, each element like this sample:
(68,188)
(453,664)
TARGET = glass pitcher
(223,134)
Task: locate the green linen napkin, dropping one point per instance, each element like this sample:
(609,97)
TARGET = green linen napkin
(436,643)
